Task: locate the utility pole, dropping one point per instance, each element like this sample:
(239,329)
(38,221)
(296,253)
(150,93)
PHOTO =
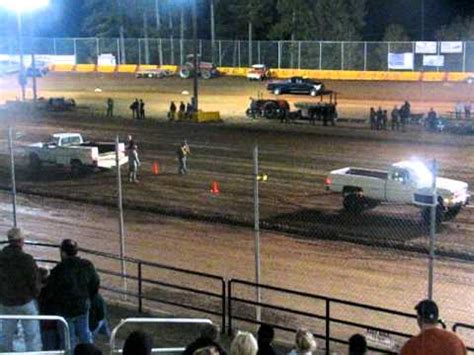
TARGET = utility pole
(22,76)
(122,59)
(158,31)
(181,35)
(195,58)
(250,43)
(256,210)
(170,25)
(145,33)
(213,32)
(433,223)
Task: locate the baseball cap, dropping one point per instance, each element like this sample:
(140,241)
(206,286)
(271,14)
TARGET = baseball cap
(69,246)
(427,310)
(14,234)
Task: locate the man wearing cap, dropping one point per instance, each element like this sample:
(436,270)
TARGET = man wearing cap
(432,340)
(19,286)
(71,286)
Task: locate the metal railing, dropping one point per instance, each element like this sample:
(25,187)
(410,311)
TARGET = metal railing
(156,321)
(457,326)
(64,328)
(320,55)
(327,317)
(141,282)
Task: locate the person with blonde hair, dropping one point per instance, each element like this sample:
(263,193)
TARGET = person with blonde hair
(305,343)
(208,350)
(244,343)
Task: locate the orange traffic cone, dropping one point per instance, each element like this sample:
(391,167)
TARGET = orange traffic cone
(155,169)
(215,188)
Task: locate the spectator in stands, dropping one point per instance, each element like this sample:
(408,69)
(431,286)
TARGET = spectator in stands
(265,336)
(305,344)
(138,343)
(98,323)
(87,349)
(210,350)
(244,343)
(432,340)
(357,345)
(209,338)
(71,286)
(19,288)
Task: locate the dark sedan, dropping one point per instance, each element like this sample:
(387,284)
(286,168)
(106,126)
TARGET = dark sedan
(296,85)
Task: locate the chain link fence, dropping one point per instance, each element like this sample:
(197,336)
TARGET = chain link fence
(362,56)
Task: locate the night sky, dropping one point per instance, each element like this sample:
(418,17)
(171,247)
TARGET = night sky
(63,17)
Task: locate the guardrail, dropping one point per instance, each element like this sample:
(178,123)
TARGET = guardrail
(155,320)
(328,319)
(456,326)
(65,329)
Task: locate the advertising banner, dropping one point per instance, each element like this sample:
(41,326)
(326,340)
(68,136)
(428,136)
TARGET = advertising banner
(401,61)
(451,47)
(426,47)
(433,60)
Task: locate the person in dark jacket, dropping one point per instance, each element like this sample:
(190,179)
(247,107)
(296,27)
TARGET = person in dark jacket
(379,119)
(20,285)
(71,286)
(172,112)
(87,349)
(357,345)
(208,338)
(265,336)
(135,109)
(373,119)
(395,114)
(141,106)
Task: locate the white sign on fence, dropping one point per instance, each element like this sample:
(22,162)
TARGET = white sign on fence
(401,61)
(433,60)
(106,59)
(426,47)
(451,47)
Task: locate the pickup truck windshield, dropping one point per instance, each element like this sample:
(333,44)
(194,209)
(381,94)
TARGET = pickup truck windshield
(420,174)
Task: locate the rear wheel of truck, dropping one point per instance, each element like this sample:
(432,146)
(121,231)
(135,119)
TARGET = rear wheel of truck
(77,169)
(353,203)
(206,74)
(270,110)
(35,163)
(426,215)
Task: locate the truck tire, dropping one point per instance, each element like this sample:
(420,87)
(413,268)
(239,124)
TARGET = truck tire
(206,74)
(353,203)
(270,110)
(77,169)
(313,92)
(426,215)
(185,72)
(277,91)
(35,163)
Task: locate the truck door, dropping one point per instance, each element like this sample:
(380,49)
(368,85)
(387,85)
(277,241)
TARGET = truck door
(399,186)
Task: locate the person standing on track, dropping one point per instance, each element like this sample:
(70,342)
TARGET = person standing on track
(395,115)
(134,107)
(141,107)
(182,110)
(172,113)
(372,118)
(379,119)
(133,164)
(183,152)
(110,107)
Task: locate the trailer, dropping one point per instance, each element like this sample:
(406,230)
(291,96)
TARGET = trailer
(324,110)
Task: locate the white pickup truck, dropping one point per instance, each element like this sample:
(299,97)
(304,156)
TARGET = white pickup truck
(70,150)
(403,183)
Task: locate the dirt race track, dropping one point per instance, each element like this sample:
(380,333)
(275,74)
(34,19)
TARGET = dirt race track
(296,158)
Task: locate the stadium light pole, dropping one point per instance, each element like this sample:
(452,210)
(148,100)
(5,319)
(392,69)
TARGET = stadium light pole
(20,7)
(195,59)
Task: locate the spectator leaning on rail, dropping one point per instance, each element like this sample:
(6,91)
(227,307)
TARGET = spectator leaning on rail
(71,286)
(19,287)
(432,340)
(304,343)
(244,343)
(209,338)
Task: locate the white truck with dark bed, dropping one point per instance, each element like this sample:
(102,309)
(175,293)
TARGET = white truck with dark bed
(406,182)
(69,150)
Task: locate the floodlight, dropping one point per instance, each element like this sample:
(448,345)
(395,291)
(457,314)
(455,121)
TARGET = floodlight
(23,5)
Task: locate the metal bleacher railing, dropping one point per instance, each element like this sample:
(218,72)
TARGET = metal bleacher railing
(239,305)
